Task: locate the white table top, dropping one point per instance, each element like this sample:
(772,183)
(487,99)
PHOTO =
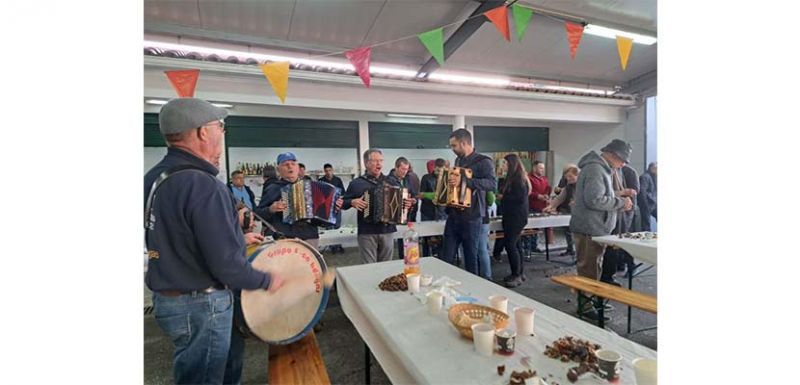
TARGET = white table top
(413,346)
(640,249)
(432,228)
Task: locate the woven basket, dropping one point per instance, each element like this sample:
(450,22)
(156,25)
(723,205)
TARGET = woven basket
(464,315)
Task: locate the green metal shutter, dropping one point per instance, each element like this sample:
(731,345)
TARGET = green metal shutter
(152,136)
(500,139)
(409,135)
(250,131)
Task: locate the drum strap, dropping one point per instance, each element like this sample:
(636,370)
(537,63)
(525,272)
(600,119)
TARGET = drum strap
(148,207)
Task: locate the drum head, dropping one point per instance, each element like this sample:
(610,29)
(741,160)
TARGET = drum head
(296,258)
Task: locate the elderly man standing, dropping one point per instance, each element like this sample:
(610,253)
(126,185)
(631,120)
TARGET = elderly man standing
(241,192)
(271,206)
(196,247)
(374,239)
(596,204)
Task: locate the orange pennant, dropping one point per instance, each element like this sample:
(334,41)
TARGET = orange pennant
(277,75)
(574,34)
(499,17)
(184,82)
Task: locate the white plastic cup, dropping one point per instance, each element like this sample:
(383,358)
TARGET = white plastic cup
(646,371)
(435,300)
(499,303)
(483,338)
(413,282)
(523,316)
(426,280)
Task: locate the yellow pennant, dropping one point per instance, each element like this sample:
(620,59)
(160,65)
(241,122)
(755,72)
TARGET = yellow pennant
(278,76)
(624,46)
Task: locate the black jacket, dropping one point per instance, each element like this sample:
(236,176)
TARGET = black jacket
(356,189)
(336,181)
(515,203)
(272,193)
(196,231)
(430,211)
(482,180)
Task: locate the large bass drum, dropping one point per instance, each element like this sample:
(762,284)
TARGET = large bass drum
(256,316)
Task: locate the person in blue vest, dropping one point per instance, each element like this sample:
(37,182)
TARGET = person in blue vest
(463,226)
(196,247)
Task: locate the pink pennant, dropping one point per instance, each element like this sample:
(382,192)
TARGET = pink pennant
(360,58)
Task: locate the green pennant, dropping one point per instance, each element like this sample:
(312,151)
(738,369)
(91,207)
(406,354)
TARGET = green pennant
(433,40)
(522,15)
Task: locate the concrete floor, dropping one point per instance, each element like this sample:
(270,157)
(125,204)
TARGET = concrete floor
(343,350)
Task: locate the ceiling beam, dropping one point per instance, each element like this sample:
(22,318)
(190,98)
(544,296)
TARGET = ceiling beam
(461,35)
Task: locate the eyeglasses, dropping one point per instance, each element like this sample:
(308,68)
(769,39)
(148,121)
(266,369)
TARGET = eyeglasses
(220,123)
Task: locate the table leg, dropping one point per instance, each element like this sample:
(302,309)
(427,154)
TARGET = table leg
(631,271)
(546,245)
(400,251)
(366,364)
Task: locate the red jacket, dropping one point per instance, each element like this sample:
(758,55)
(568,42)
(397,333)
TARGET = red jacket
(539,185)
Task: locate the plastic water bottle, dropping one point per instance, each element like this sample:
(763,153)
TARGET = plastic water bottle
(411,250)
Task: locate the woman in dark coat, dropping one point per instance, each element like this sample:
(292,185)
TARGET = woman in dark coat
(515,215)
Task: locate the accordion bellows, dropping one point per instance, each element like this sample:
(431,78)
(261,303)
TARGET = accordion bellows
(459,196)
(311,201)
(385,205)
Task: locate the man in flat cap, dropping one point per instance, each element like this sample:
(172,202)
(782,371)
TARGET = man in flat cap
(597,203)
(196,247)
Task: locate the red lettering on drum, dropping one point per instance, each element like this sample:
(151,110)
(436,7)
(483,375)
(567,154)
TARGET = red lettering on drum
(317,285)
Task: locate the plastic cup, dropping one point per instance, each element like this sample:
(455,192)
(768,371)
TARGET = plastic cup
(523,316)
(483,338)
(499,302)
(413,282)
(426,280)
(646,371)
(435,300)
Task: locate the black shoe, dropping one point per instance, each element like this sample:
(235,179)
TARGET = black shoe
(514,282)
(508,278)
(497,258)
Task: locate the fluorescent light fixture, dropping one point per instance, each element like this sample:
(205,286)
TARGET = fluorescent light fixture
(576,89)
(610,33)
(163,102)
(497,82)
(413,116)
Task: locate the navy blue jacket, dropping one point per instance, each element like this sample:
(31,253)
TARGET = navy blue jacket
(430,212)
(356,189)
(196,231)
(482,180)
(272,193)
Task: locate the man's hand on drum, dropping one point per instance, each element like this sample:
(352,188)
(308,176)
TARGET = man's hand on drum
(253,239)
(408,202)
(359,204)
(277,206)
(275,282)
(339,203)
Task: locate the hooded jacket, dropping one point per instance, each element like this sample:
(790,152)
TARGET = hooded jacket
(272,192)
(596,206)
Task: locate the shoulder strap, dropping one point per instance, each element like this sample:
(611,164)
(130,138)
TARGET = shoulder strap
(148,223)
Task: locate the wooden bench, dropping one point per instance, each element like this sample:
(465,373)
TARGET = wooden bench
(598,291)
(298,363)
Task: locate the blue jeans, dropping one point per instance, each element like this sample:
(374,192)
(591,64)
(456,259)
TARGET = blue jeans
(484,263)
(465,233)
(201,327)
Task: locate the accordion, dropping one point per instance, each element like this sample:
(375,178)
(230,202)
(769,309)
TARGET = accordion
(385,205)
(310,201)
(459,196)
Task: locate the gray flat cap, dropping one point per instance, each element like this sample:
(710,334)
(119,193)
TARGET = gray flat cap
(620,148)
(182,114)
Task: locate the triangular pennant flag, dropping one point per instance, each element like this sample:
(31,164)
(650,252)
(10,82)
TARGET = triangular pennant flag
(499,17)
(624,46)
(433,40)
(574,34)
(183,81)
(522,15)
(278,76)
(360,58)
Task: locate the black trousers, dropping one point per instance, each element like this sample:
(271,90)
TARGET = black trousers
(511,234)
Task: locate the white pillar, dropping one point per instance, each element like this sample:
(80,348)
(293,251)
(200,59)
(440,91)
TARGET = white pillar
(363,144)
(459,121)
(223,169)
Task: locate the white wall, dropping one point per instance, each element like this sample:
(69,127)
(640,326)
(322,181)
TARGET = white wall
(153,155)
